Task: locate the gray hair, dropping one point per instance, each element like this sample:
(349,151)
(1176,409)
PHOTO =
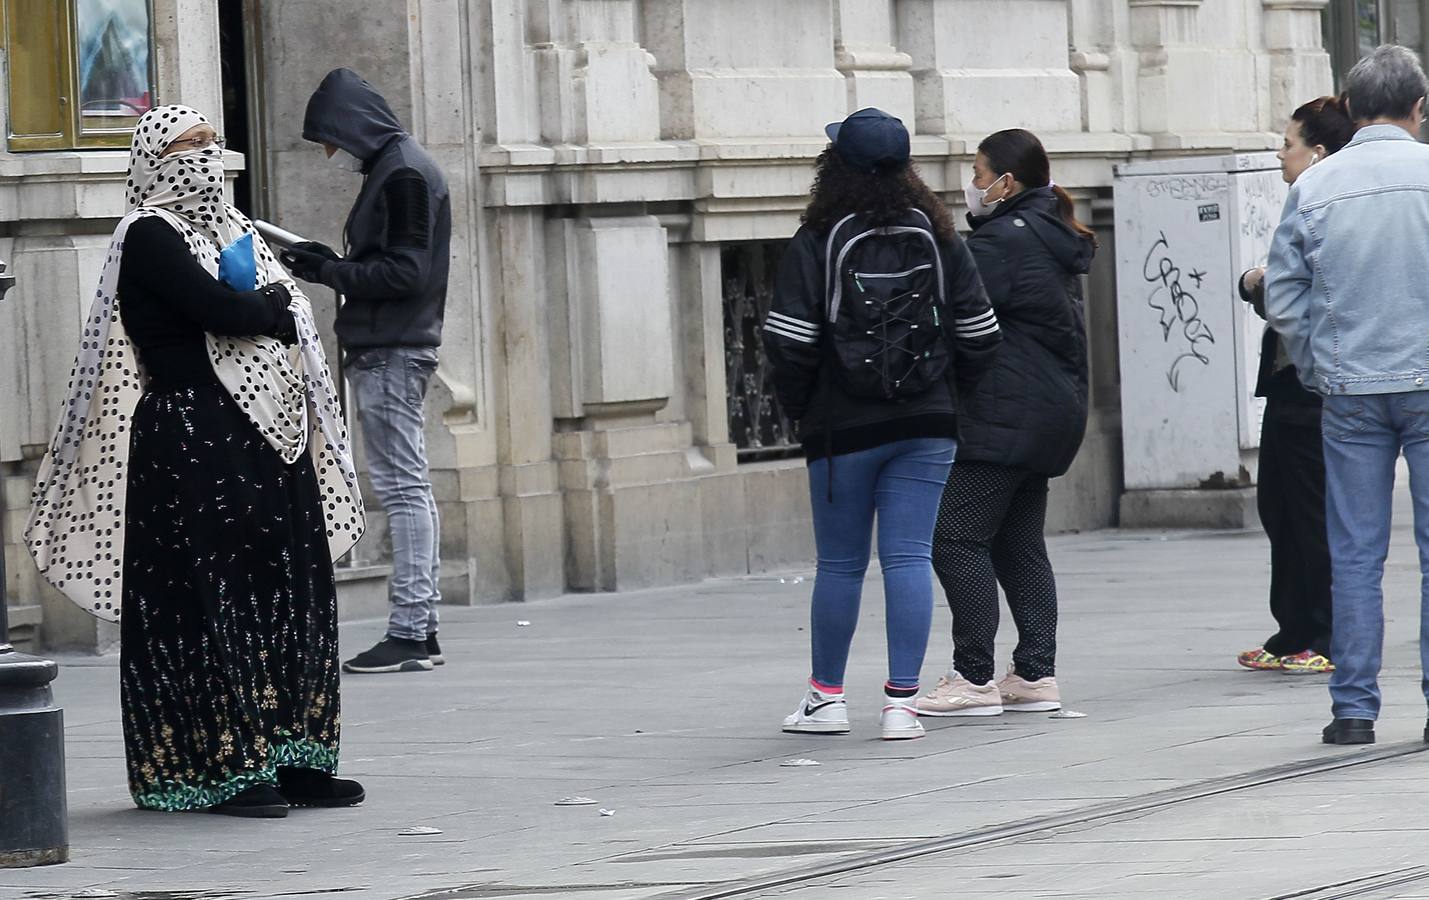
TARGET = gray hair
(1386,84)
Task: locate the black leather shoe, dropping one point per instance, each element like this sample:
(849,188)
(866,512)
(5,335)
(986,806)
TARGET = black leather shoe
(1349,731)
(309,787)
(261,801)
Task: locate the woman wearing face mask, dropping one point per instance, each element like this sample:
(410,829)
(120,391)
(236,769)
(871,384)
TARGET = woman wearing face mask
(1023,425)
(197,490)
(1290,489)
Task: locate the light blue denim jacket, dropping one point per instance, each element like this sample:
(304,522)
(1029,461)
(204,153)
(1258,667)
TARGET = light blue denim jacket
(1347,287)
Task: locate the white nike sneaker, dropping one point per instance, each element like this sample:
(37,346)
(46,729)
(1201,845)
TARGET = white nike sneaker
(900,719)
(819,713)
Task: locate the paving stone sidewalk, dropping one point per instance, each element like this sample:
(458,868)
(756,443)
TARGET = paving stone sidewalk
(664,706)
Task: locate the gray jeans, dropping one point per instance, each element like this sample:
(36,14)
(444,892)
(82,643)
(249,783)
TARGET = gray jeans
(389,385)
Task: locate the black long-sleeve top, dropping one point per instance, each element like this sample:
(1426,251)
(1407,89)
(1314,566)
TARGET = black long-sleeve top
(167,301)
(1286,398)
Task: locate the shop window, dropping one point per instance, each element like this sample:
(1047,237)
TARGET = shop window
(81,71)
(1355,27)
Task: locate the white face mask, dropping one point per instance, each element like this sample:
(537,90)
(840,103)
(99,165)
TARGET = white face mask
(345,161)
(976,198)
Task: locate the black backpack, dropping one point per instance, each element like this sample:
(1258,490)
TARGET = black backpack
(885,307)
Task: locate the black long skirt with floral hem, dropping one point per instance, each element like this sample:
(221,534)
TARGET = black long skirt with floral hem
(228,660)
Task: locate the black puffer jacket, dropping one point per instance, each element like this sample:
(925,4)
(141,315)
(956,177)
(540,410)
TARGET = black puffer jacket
(398,235)
(1030,409)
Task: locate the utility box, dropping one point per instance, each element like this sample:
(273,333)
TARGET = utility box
(1190,348)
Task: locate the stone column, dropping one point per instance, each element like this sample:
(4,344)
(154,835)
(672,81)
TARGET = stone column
(974,75)
(186,55)
(1185,71)
(744,68)
(877,71)
(1299,65)
(594,77)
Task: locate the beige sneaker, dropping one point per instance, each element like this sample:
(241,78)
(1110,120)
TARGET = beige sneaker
(960,697)
(1021,695)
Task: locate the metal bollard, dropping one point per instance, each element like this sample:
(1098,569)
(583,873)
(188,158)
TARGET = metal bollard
(34,827)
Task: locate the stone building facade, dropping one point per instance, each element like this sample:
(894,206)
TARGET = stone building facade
(623,172)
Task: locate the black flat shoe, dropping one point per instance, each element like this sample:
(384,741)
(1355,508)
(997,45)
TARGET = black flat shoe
(262,801)
(309,787)
(1426,732)
(1349,731)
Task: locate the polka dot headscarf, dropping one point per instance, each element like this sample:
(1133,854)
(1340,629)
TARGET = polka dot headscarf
(76,527)
(188,183)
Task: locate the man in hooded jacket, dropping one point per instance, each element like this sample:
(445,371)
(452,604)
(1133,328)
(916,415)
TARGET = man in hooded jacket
(393,278)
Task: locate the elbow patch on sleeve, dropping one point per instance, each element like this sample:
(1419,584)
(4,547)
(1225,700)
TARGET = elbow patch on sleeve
(408,210)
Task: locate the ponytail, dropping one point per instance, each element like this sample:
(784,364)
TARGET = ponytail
(1068,212)
(1018,151)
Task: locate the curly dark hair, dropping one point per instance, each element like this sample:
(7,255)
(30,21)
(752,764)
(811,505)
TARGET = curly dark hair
(883,197)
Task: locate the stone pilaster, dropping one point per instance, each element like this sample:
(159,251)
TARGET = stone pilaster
(877,72)
(1186,68)
(594,77)
(744,68)
(1299,65)
(974,76)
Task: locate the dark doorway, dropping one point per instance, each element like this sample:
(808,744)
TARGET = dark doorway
(241,106)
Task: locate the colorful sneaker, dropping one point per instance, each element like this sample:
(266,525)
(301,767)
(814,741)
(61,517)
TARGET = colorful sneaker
(1260,660)
(1021,695)
(900,719)
(960,697)
(819,713)
(1306,662)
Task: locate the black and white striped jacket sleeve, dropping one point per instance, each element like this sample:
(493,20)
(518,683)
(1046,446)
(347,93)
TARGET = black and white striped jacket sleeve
(794,326)
(975,333)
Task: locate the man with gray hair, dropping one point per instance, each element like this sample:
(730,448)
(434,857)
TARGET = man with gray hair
(1348,293)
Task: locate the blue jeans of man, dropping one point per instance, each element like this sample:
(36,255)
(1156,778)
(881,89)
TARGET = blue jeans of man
(899,484)
(1363,437)
(390,385)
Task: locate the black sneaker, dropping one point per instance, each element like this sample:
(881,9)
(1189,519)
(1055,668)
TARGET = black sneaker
(434,650)
(1349,731)
(261,801)
(309,787)
(391,655)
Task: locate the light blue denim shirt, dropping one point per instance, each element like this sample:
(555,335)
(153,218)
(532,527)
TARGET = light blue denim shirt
(1347,287)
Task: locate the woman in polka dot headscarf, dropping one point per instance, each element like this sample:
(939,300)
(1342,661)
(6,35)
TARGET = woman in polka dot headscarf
(197,490)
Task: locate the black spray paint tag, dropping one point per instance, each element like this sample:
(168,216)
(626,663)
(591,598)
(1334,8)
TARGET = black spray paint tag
(1209,212)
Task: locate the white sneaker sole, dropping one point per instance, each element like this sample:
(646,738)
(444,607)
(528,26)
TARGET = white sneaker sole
(968,712)
(817,728)
(407,665)
(903,734)
(1039,706)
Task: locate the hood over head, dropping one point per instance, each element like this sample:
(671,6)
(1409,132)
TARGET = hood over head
(347,112)
(1038,207)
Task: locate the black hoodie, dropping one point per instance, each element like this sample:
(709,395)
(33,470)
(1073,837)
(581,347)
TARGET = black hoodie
(398,235)
(1030,409)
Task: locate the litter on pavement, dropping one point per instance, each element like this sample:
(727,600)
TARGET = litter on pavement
(575,801)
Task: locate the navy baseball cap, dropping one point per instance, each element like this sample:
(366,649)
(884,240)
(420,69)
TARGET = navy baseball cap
(871,140)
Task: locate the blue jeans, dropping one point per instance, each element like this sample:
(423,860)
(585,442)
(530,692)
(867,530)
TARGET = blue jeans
(902,483)
(1363,437)
(390,385)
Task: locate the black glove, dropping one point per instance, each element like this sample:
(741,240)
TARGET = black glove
(284,328)
(306,260)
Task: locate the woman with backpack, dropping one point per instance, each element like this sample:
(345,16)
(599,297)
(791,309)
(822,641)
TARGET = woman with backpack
(1020,427)
(878,317)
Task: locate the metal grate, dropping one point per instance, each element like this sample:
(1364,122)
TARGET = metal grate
(757,424)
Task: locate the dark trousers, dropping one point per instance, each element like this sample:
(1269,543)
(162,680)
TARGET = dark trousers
(1291,499)
(989,532)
